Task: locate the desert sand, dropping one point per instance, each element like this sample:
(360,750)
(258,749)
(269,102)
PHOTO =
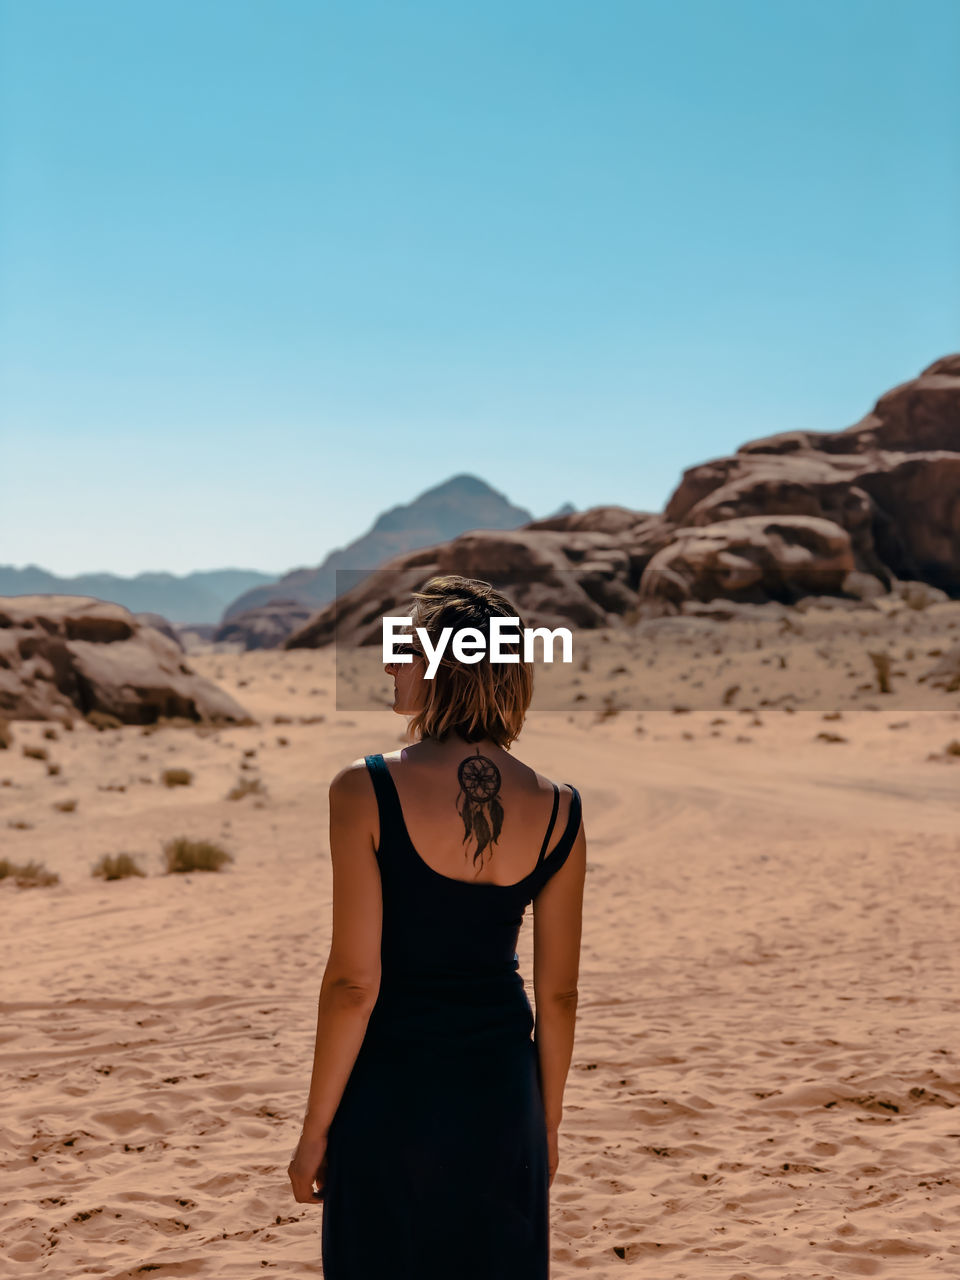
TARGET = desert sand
(767,1064)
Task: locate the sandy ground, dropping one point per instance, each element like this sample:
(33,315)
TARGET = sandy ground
(767,1063)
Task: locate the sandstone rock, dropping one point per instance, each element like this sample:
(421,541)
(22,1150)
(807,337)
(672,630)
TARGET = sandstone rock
(919,595)
(845,516)
(555,577)
(159,623)
(64,653)
(753,559)
(266,627)
(892,481)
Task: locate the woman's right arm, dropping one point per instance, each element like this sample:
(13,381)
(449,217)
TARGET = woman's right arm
(557,923)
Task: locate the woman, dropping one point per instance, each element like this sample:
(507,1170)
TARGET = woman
(431,1129)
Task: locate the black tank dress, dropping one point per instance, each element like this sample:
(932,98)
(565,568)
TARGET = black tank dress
(437,1161)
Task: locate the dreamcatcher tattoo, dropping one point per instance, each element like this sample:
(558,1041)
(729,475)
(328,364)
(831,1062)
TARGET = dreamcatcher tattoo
(478,803)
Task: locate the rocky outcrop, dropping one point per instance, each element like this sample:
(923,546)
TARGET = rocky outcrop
(891,482)
(266,627)
(848,515)
(67,654)
(580,577)
(159,623)
(753,559)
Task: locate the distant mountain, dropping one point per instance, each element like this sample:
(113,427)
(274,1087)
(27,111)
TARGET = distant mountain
(196,597)
(460,504)
(567,509)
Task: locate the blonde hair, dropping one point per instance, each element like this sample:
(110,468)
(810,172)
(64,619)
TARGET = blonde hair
(476,700)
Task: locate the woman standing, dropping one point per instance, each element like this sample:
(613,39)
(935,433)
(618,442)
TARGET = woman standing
(431,1130)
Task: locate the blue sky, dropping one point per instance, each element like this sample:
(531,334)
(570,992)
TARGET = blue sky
(267,269)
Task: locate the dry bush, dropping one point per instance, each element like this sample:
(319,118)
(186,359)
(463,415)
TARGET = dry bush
(117,866)
(65,806)
(27,875)
(6,735)
(881,667)
(183,854)
(608,708)
(246,787)
(176,777)
(101,720)
(35,753)
(51,735)
(52,769)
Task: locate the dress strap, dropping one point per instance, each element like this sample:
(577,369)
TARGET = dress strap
(553,818)
(388,802)
(561,850)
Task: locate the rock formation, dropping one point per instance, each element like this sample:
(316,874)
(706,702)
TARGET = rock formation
(891,481)
(850,514)
(265,627)
(65,654)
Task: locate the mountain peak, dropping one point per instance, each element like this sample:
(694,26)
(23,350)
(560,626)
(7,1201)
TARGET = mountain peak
(463,485)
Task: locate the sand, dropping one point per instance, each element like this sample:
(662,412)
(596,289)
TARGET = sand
(766,1067)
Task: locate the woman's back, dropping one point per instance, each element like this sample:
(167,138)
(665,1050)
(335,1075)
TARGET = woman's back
(449,942)
(428,793)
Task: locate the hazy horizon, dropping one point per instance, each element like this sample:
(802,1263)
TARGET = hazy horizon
(268,271)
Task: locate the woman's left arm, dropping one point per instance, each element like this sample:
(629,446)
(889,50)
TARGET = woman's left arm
(351,979)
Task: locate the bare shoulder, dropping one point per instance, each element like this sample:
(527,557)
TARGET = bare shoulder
(353,803)
(566,796)
(352,782)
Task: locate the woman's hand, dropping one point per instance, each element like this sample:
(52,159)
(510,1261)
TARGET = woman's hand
(308,1166)
(553,1151)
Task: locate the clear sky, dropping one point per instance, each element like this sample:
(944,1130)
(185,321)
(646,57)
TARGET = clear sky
(268,268)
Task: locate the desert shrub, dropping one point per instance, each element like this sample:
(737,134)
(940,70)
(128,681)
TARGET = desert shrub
(176,777)
(51,735)
(183,854)
(246,787)
(608,708)
(27,875)
(881,666)
(52,769)
(65,806)
(35,753)
(6,735)
(117,866)
(101,720)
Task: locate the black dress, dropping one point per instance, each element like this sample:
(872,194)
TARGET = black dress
(437,1161)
